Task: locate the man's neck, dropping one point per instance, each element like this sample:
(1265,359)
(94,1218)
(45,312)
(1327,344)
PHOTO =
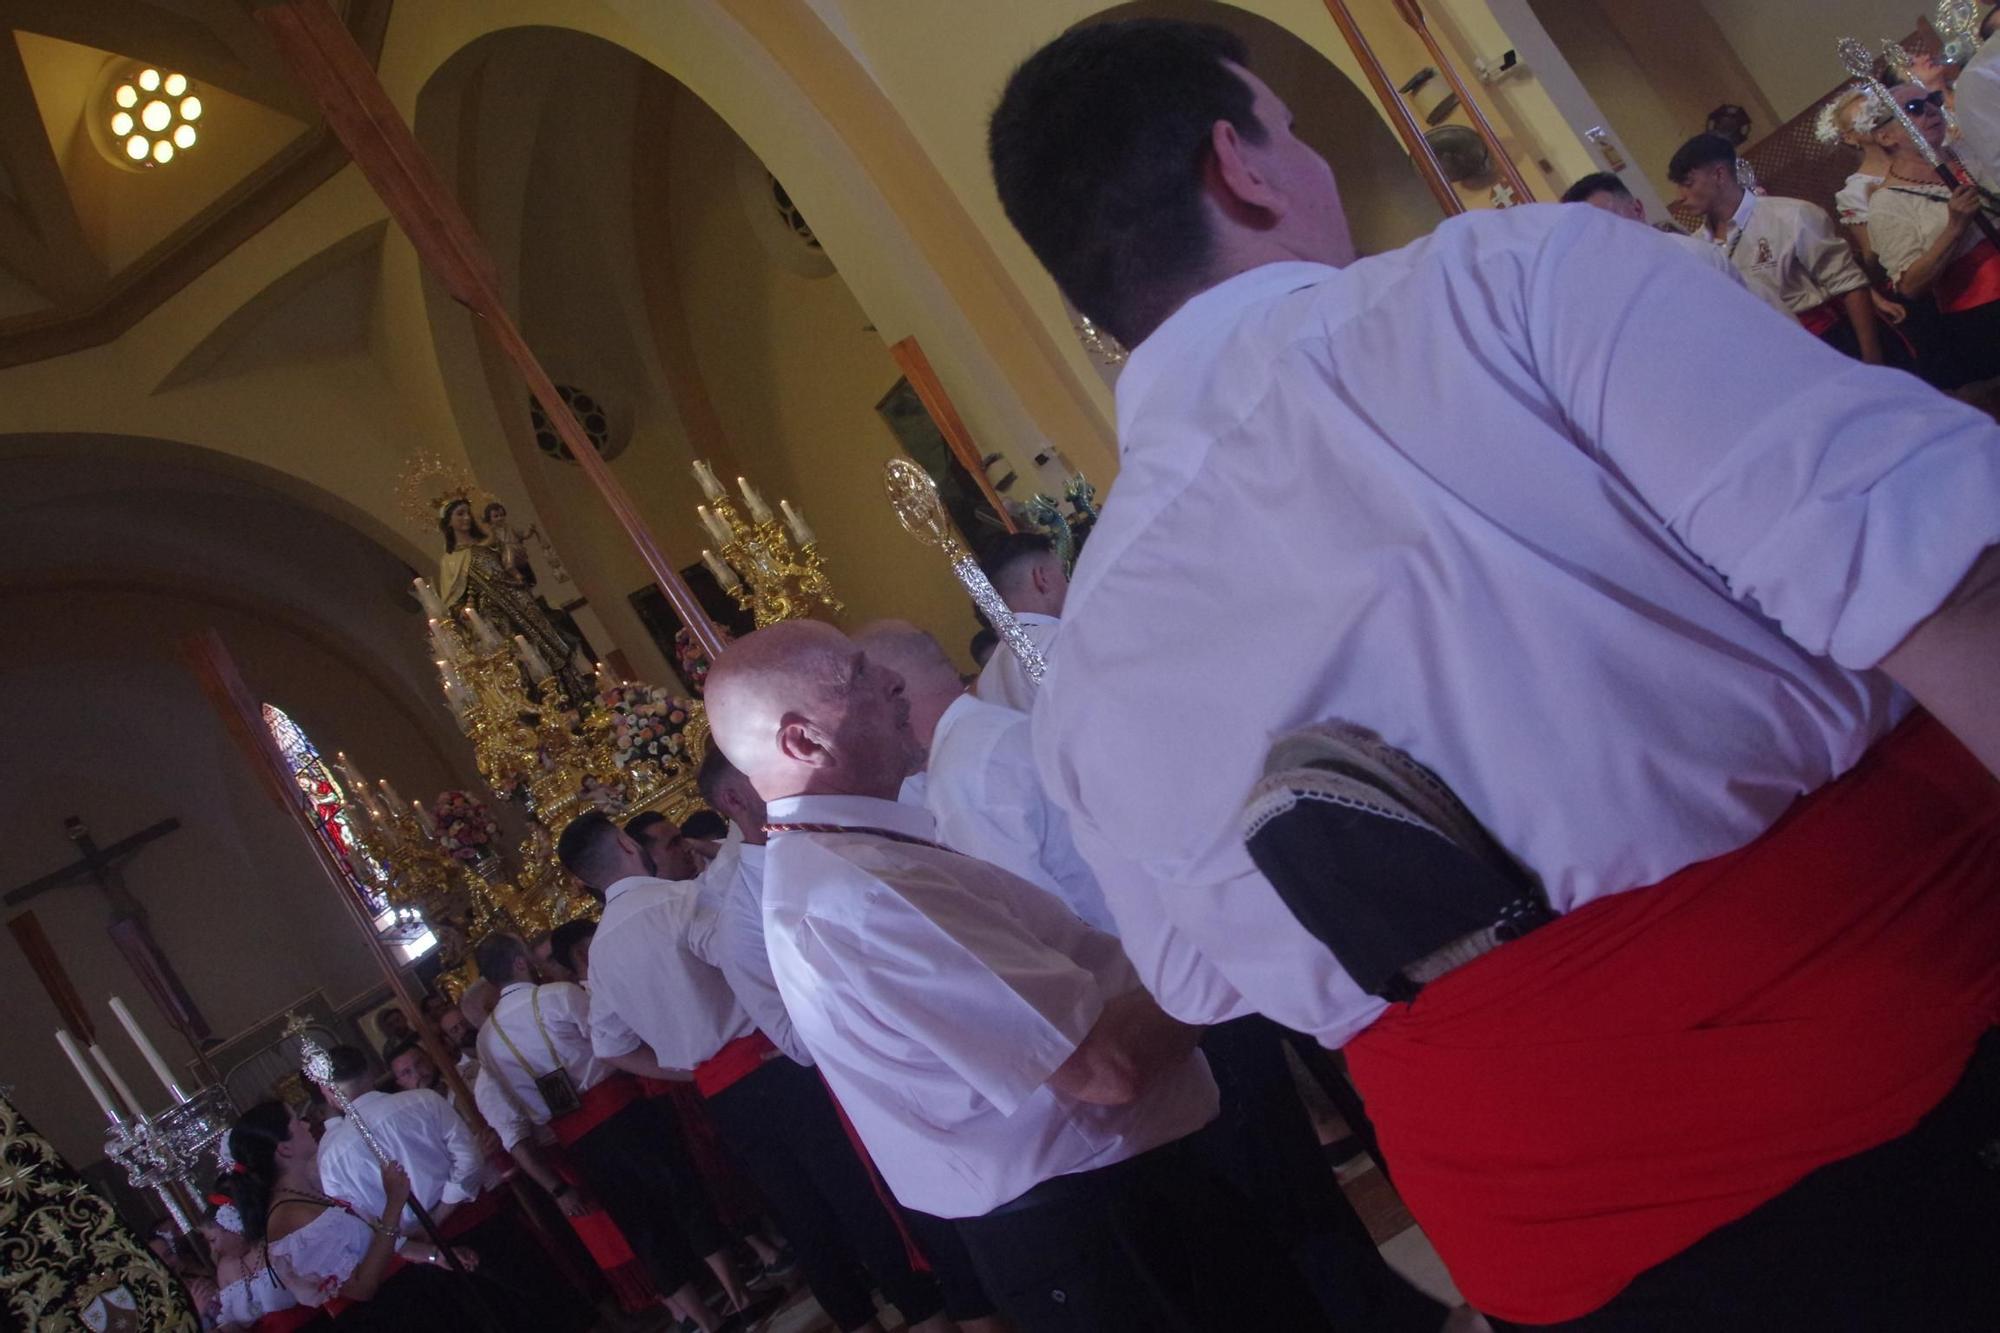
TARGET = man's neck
(1724,209)
(839,785)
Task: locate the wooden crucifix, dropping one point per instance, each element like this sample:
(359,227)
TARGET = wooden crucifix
(128,930)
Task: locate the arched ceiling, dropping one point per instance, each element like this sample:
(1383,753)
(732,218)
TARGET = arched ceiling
(87,248)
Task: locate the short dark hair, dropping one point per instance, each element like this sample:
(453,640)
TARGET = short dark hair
(1098,148)
(582,844)
(1002,554)
(642,821)
(1596,183)
(983,644)
(705,824)
(495,956)
(403,1048)
(1986,21)
(346,1063)
(564,939)
(1704,150)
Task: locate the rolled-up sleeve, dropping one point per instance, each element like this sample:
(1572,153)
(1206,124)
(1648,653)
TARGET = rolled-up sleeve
(966,980)
(1843,501)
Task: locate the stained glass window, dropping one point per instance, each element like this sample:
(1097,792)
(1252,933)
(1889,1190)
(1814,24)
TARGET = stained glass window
(402,927)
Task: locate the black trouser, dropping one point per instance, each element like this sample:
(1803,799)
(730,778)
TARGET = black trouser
(1159,1243)
(1263,1143)
(951,1264)
(639,1169)
(780,1126)
(512,1257)
(1903,1236)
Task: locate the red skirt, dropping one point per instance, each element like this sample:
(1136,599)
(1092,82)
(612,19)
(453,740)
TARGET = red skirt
(1582,1104)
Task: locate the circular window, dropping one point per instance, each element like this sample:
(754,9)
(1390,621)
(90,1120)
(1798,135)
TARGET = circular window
(589,413)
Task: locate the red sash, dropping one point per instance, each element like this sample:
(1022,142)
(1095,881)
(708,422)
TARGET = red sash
(1972,280)
(737,1203)
(607,1246)
(1582,1104)
(595,1107)
(735,1062)
(1821,319)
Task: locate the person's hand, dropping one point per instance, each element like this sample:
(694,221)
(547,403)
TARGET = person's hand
(575,1203)
(1886,310)
(487,1141)
(467,1259)
(1963,206)
(395,1188)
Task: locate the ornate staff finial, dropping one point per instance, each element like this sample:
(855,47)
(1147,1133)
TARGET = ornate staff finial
(914,497)
(318,1066)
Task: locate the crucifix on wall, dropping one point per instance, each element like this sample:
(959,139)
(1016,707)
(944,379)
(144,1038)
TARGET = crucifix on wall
(128,929)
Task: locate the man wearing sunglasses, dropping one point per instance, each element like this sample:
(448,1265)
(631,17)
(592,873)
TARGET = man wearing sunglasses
(1786,249)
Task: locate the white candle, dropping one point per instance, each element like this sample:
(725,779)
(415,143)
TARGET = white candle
(704,477)
(488,637)
(89,1077)
(117,1081)
(724,575)
(433,608)
(146,1048)
(424,818)
(759,511)
(395,797)
(443,642)
(538,670)
(801,534)
(717,529)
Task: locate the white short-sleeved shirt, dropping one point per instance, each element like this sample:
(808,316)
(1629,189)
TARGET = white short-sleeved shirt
(505,1093)
(737,943)
(315,1261)
(1003,680)
(1788,252)
(982,789)
(939,994)
(650,980)
(1449,493)
(421,1131)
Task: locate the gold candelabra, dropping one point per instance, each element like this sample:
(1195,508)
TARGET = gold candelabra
(772,568)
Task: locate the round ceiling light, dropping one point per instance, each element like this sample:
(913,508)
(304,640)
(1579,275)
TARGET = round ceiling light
(147,115)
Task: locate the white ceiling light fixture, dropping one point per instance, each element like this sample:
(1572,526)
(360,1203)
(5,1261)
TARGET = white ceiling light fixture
(143,117)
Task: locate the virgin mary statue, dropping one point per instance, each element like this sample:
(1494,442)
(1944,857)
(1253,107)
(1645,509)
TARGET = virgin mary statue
(474,570)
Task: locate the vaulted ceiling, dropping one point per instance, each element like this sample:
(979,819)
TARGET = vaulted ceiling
(88,247)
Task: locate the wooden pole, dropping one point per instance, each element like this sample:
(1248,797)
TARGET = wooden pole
(916,368)
(1399,111)
(243,718)
(333,70)
(1414,16)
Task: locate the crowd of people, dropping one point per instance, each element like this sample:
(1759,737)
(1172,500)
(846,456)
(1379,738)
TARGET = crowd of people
(1518,660)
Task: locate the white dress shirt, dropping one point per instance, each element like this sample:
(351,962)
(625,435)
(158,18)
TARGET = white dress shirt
(1454,493)
(1788,252)
(988,802)
(506,1094)
(1976,103)
(737,943)
(1003,680)
(650,980)
(421,1131)
(939,994)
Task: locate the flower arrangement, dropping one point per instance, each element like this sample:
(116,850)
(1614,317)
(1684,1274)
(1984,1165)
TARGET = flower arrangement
(465,827)
(646,724)
(611,796)
(692,659)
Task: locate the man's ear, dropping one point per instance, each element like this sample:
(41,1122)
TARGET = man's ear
(1234,180)
(802,742)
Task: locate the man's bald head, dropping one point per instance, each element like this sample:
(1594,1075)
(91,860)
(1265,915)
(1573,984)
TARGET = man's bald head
(930,680)
(801,710)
